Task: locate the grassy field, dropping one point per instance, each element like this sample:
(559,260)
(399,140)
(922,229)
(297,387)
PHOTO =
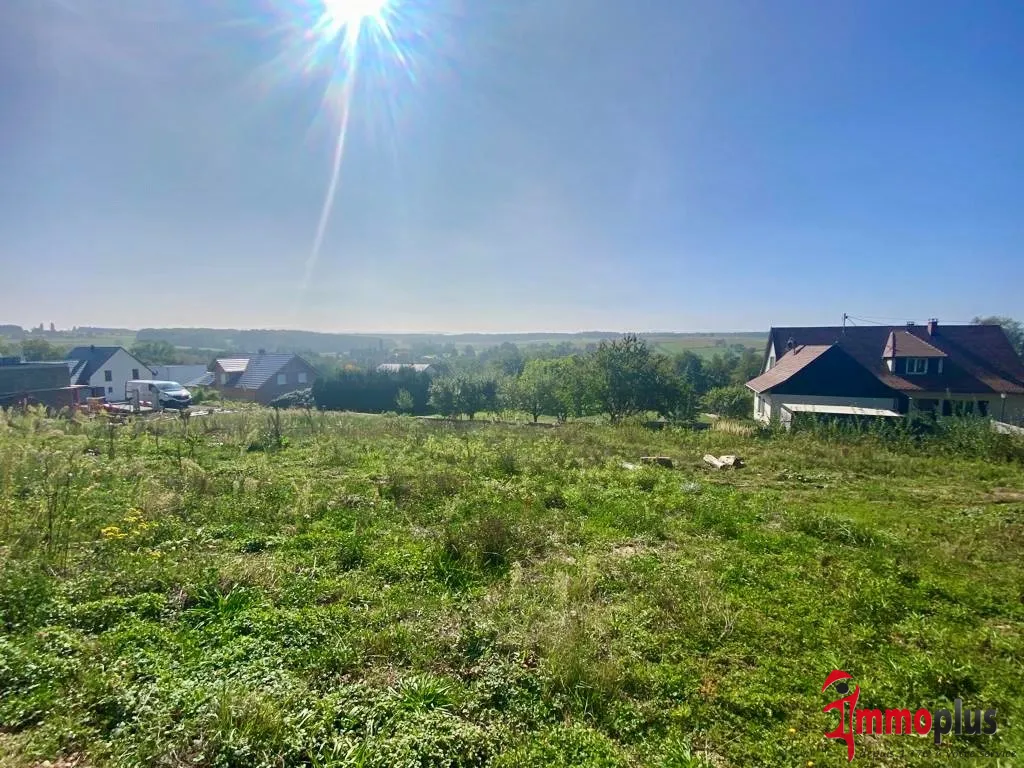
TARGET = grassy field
(337,590)
(706,345)
(703,344)
(123,339)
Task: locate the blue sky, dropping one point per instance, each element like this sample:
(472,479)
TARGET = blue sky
(533,165)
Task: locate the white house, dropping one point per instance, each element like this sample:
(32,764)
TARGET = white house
(106,370)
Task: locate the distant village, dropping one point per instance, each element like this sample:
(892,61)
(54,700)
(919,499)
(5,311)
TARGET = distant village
(112,374)
(849,371)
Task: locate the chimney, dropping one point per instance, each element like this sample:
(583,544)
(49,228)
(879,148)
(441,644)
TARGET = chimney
(933,325)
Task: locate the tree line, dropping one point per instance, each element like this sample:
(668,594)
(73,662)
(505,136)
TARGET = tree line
(620,379)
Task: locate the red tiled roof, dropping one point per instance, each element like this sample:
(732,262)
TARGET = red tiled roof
(905,344)
(786,366)
(979,358)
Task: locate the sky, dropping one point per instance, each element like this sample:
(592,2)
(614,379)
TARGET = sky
(510,165)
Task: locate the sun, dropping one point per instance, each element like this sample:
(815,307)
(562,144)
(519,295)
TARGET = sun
(350,14)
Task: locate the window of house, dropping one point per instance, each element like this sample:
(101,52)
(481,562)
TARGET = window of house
(760,406)
(108,376)
(302,377)
(110,390)
(282,379)
(135,373)
(224,379)
(917,365)
(926,404)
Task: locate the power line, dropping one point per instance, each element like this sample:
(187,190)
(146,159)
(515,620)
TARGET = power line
(902,321)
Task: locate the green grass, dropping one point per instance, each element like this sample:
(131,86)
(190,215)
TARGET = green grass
(705,345)
(337,590)
(110,340)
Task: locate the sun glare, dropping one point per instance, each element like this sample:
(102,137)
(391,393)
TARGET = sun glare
(350,14)
(338,37)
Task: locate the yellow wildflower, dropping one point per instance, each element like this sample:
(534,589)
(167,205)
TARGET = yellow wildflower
(113,532)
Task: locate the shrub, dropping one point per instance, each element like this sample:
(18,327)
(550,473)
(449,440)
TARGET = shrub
(300,398)
(735,402)
(373,391)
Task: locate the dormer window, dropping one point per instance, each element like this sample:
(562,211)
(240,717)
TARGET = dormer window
(917,366)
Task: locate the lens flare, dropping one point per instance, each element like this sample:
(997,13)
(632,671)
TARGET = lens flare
(343,14)
(340,28)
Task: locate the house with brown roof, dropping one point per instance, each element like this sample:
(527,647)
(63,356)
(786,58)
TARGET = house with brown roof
(890,371)
(262,377)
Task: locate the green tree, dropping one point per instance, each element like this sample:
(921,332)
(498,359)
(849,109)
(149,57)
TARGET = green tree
(690,368)
(490,399)
(470,397)
(41,349)
(536,390)
(442,396)
(746,367)
(734,402)
(576,385)
(505,360)
(719,369)
(156,352)
(1013,328)
(672,396)
(624,376)
(404,401)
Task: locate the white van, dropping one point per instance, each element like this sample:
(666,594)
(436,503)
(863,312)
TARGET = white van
(157,394)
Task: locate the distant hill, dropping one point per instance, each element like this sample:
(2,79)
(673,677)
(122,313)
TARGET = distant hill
(704,343)
(253,340)
(337,343)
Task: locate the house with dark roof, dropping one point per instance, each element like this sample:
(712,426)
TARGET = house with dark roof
(889,371)
(44,383)
(106,370)
(261,377)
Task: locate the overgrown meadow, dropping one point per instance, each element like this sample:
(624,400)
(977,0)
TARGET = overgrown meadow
(311,589)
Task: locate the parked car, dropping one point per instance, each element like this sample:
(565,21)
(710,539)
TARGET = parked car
(158,394)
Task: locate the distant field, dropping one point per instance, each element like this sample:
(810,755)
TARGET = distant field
(336,590)
(707,345)
(122,340)
(116,340)
(703,344)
